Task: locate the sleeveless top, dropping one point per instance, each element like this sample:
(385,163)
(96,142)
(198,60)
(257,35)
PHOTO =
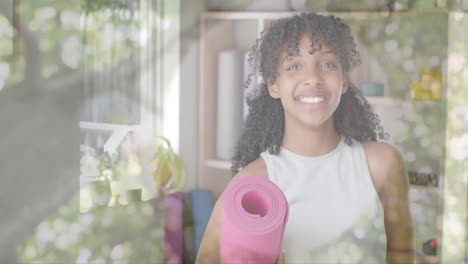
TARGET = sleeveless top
(335,214)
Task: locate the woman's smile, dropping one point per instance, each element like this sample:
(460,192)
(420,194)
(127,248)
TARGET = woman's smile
(311,99)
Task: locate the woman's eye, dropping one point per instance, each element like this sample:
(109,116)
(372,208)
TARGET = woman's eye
(328,65)
(294,67)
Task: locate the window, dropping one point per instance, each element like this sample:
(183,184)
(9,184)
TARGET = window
(131,75)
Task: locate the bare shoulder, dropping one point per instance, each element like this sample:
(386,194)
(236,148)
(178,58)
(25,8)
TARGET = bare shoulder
(383,159)
(381,151)
(255,168)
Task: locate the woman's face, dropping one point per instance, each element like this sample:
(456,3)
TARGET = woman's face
(309,85)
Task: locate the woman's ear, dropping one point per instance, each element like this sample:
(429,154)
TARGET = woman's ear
(273,89)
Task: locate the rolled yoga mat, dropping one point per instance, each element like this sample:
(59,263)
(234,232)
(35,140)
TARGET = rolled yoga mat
(254,219)
(230,103)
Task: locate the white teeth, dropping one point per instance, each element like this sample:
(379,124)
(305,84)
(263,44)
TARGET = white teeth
(311,99)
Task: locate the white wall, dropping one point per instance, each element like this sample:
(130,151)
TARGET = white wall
(189,88)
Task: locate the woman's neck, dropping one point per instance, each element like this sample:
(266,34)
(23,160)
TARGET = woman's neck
(311,142)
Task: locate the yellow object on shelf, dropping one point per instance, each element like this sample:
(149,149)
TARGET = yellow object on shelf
(429,87)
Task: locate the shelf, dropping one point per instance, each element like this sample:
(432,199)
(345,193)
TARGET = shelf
(361,15)
(218,164)
(382,100)
(245,15)
(389,101)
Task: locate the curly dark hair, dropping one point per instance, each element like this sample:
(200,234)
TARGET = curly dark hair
(264,125)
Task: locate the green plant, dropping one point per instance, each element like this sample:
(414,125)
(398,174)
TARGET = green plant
(169,174)
(97,5)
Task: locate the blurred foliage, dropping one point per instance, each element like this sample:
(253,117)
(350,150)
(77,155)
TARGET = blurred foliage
(433,135)
(97,5)
(403,53)
(97,162)
(456,165)
(119,234)
(364,242)
(111,35)
(108,36)
(108,179)
(100,168)
(55,25)
(7,41)
(341,5)
(402,46)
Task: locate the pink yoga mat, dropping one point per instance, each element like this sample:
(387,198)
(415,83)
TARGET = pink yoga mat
(254,219)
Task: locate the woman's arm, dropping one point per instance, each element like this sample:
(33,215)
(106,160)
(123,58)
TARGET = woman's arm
(387,169)
(209,246)
(398,225)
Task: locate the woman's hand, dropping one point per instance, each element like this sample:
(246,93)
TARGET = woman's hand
(425,259)
(245,256)
(280,259)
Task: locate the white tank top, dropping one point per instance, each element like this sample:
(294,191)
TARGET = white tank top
(335,214)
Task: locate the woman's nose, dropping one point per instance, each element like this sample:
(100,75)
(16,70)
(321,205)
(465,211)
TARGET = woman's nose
(312,78)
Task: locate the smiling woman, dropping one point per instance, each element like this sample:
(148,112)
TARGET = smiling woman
(310,131)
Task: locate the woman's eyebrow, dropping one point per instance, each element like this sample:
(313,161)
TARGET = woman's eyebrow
(288,58)
(291,57)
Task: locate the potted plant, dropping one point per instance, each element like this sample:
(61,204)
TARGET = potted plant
(169,174)
(168,177)
(96,167)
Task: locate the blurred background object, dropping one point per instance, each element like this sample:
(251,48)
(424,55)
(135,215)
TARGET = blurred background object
(429,87)
(9,31)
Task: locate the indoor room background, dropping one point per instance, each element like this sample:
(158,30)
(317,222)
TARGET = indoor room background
(115,120)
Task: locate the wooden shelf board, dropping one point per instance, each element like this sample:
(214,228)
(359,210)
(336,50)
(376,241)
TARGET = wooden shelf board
(346,14)
(218,164)
(382,100)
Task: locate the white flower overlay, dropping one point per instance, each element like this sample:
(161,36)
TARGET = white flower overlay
(89,165)
(458,148)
